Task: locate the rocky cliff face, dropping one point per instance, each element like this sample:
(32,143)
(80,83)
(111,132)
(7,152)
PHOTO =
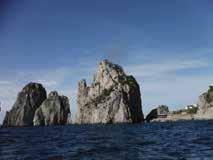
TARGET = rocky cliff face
(53,111)
(28,100)
(113,97)
(205,105)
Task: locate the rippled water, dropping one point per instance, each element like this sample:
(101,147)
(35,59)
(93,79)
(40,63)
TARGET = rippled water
(191,140)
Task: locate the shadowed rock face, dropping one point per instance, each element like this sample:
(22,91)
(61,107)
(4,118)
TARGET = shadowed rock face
(53,111)
(205,105)
(113,97)
(28,100)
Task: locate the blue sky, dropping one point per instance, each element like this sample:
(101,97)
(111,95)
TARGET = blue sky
(167,45)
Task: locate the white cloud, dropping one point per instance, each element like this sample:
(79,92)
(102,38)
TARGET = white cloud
(2,82)
(47,83)
(164,67)
(51,77)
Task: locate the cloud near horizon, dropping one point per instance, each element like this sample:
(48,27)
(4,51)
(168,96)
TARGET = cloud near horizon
(163,67)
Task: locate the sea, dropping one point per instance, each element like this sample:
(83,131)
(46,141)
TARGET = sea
(188,140)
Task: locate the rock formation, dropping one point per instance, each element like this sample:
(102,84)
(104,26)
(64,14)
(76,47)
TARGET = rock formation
(113,97)
(53,111)
(160,112)
(28,100)
(205,105)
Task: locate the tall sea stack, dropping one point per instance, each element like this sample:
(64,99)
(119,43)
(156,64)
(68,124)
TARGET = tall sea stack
(28,100)
(113,97)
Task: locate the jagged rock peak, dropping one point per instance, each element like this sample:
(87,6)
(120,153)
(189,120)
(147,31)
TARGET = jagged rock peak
(53,94)
(113,97)
(28,100)
(53,111)
(32,86)
(108,74)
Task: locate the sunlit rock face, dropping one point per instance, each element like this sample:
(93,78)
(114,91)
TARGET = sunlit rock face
(205,105)
(113,97)
(28,100)
(53,111)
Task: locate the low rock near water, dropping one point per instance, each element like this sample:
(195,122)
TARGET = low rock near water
(113,97)
(28,100)
(53,111)
(160,112)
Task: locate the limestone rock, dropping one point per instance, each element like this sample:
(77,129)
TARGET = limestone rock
(28,100)
(53,111)
(205,105)
(160,112)
(113,97)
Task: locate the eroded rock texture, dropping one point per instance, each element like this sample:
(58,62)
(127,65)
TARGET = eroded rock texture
(113,97)
(205,105)
(53,111)
(28,100)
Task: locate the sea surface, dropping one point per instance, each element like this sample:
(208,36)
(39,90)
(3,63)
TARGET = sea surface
(191,140)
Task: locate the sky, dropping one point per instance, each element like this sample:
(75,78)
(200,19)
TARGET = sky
(167,45)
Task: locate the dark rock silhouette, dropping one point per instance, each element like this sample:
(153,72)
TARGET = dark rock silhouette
(28,100)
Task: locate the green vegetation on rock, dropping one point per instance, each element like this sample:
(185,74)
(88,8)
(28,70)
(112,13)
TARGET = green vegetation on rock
(106,92)
(178,111)
(129,80)
(210,88)
(209,95)
(192,110)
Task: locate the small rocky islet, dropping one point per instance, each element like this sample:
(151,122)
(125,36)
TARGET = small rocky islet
(113,97)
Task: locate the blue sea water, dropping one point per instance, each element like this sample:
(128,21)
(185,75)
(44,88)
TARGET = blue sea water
(191,140)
